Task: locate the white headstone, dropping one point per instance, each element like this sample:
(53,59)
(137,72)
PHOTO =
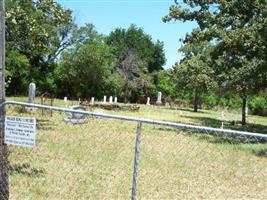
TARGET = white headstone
(159,98)
(148,101)
(32,89)
(110,99)
(65,99)
(105,99)
(92,100)
(115,100)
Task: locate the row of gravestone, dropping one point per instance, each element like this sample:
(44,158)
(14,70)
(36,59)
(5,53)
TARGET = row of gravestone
(79,118)
(93,100)
(76,118)
(32,91)
(159,101)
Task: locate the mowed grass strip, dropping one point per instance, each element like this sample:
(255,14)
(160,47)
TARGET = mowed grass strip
(95,161)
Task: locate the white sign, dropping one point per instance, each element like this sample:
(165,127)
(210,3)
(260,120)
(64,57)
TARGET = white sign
(20,131)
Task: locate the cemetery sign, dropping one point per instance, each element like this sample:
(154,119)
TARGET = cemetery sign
(20,131)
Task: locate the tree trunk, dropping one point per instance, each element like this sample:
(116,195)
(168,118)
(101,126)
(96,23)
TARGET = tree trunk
(125,99)
(244,105)
(196,100)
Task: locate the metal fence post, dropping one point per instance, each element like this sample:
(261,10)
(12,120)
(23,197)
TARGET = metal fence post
(4,188)
(136,158)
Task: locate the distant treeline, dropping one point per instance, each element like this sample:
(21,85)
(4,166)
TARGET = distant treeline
(46,47)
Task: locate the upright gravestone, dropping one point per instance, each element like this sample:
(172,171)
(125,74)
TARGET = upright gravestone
(115,100)
(148,101)
(66,101)
(105,99)
(159,102)
(110,99)
(32,89)
(92,100)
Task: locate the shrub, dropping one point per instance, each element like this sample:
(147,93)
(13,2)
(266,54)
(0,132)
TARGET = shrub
(258,105)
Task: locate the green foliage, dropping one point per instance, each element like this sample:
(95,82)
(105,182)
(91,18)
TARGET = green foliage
(37,32)
(165,83)
(209,100)
(258,105)
(17,66)
(46,47)
(38,29)
(151,53)
(138,58)
(85,70)
(194,74)
(237,34)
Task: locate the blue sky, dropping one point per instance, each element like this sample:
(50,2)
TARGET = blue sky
(107,15)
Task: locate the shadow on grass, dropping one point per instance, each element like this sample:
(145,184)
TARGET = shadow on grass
(26,170)
(185,109)
(261,153)
(45,124)
(253,145)
(248,143)
(161,128)
(211,122)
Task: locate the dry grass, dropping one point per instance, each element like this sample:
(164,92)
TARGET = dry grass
(95,161)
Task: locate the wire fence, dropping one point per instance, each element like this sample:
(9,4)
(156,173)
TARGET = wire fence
(107,156)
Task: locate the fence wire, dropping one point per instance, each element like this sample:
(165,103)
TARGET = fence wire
(107,158)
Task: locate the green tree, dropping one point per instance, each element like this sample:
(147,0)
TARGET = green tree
(138,58)
(195,76)
(86,69)
(16,72)
(150,52)
(238,33)
(165,83)
(37,31)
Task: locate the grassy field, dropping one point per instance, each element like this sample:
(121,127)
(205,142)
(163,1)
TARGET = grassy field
(95,160)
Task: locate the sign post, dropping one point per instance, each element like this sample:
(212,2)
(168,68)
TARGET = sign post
(4,185)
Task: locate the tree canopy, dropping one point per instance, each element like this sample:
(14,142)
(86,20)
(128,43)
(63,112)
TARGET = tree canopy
(150,52)
(86,69)
(237,32)
(37,32)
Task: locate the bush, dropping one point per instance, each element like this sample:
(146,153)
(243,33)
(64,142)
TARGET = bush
(209,101)
(235,102)
(258,105)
